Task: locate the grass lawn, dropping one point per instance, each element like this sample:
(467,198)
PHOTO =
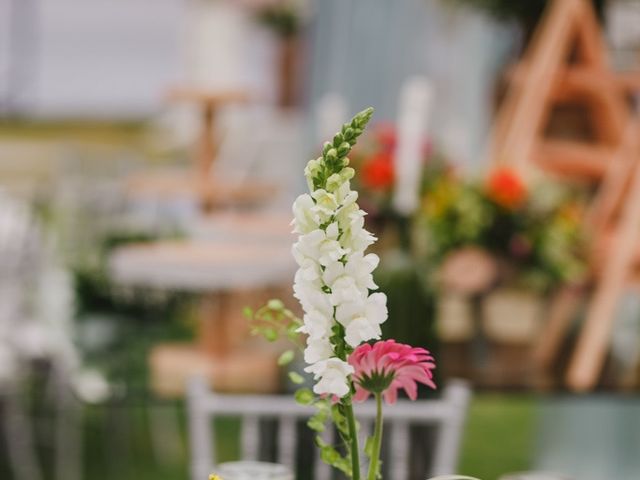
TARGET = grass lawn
(499,436)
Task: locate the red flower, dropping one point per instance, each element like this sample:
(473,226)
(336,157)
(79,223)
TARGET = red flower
(506,188)
(387,366)
(387,137)
(377,172)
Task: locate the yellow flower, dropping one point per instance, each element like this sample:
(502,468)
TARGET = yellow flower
(213,476)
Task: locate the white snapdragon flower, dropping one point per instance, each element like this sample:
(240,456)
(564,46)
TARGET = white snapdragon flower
(326,204)
(318,350)
(351,280)
(332,375)
(309,274)
(317,325)
(306,219)
(354,237)
(312,298)
(334,276)
(319,245)
(362,319)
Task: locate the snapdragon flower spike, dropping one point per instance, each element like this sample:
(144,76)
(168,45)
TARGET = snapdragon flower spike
(334,279)
(387,366)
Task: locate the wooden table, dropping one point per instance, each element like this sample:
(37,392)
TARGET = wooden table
(214,270)
(198,180)
(209,102)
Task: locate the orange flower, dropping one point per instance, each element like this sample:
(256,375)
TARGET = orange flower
(377,172)
(506,188)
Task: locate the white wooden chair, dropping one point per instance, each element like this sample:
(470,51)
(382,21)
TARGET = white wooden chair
(447,414)
(28,280)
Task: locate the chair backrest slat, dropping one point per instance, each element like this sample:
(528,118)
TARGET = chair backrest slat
(200,406)
(457,396)
(250,437)
(447,413)
(286,440)
(398,459)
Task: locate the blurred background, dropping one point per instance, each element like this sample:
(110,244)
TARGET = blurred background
(150,151)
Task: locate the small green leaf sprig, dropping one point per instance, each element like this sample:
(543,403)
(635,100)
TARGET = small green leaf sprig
(273,321)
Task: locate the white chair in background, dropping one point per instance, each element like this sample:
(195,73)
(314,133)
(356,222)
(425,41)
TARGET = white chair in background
(35,315)
(447,414)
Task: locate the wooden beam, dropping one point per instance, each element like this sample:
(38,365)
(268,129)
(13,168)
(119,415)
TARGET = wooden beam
(595,336)
(526,106)
(573,159)
(625,81)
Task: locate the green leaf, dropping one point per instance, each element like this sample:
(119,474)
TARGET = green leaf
(368,447)
(248,313)
(296,378)
(303,396)
(340,421)
(270,334)
(285,358)
(318,421)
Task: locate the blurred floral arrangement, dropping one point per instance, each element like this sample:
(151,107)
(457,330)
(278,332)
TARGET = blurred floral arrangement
(373,159)
(502,231)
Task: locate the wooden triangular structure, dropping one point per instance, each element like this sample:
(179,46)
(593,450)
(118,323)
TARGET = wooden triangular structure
(567,62)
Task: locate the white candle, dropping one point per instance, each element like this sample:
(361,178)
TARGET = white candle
(413,113)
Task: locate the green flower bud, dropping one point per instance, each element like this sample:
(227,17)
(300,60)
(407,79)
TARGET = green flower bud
(344,149)
(349,134)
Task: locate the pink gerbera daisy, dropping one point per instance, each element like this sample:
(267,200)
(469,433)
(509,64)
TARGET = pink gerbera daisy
(387,366)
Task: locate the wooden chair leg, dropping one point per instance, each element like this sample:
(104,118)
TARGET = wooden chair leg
(593,343)
(563,306)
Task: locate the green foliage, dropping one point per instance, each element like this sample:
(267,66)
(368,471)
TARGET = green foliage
(305,396)
(296,378)
(283,18)
(528,12)
(286,358)
(537,240)
(331,456)
(274,321)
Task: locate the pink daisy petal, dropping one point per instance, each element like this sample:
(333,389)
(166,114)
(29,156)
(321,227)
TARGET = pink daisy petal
(387,366)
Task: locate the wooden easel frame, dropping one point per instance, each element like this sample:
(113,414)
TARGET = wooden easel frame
(543,78)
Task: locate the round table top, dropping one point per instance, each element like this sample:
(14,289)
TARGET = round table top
(202,266)
(243,227)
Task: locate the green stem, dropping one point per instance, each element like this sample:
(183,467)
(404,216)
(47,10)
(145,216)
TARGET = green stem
(355,451)
(374,466)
